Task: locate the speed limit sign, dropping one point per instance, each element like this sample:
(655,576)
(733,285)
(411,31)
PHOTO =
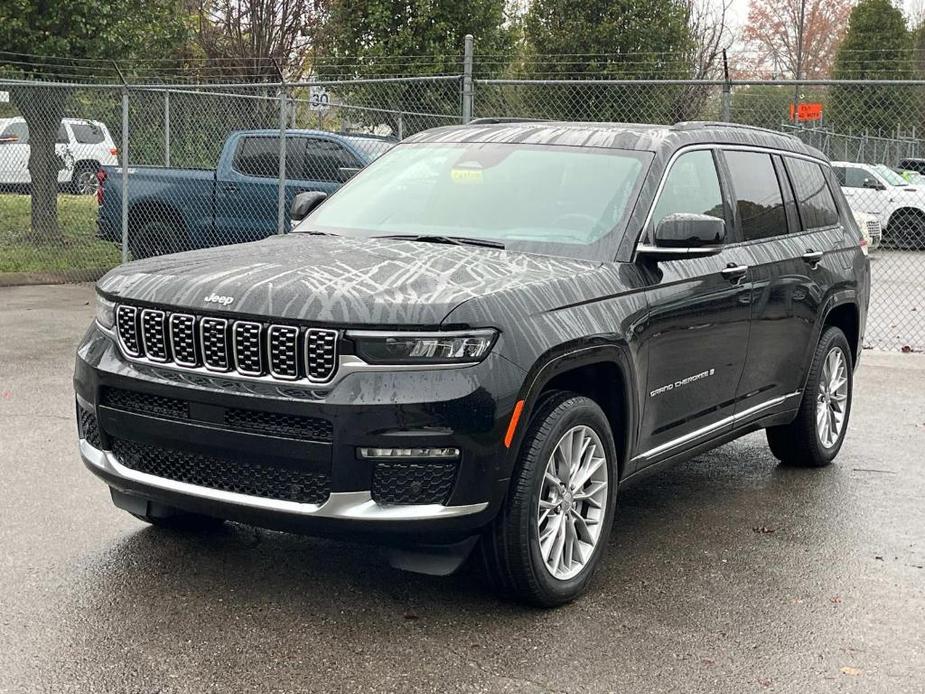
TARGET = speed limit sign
(318,98)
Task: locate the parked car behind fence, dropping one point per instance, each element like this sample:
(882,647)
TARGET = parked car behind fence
(173,209)
(83,146)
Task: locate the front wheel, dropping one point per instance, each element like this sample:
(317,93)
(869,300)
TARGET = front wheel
(156,237)
(814,438)
(548,539)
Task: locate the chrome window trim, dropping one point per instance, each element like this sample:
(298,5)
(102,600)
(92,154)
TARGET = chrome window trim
(137,353)
(709,146)
(234,347)
(195,362)
(478,332)
(733,420)
(144,340)
(202,344)
(344,505)
(305,356)
(278,376)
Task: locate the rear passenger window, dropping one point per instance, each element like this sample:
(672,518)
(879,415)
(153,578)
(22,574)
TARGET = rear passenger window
(692,186)
(87,133)
(757,194)
(814,199)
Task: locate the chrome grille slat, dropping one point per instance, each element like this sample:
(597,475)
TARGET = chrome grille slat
(282,351)
(248,348)
(248,354)
(213,341)
(183,339)
(320,354)
(154,335)
(127,327)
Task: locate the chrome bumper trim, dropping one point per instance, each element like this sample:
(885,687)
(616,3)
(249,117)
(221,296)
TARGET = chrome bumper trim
(343,505)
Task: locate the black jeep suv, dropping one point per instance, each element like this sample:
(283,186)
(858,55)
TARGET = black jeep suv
(480,338)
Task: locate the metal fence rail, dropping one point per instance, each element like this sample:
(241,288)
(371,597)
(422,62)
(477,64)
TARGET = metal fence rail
(165,141)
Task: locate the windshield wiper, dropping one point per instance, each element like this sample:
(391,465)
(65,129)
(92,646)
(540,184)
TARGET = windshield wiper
(437,238)
(315,232)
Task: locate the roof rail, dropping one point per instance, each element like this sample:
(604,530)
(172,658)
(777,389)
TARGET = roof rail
(496,121)
(693,124)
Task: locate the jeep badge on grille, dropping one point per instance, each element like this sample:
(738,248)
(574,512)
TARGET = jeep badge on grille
(218,299)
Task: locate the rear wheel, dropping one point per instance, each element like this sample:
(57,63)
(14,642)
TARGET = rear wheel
(84,180)
(814,438)
(549,538)
(154,237)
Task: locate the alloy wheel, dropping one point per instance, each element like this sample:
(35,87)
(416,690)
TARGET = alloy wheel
(573,502)
(832,398)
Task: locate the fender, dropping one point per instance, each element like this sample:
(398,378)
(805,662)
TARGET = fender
(568,357)
(839,297)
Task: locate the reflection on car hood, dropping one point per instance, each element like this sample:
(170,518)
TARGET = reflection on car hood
(334,280)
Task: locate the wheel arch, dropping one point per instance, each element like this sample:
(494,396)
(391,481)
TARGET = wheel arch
(603,373)
(905,210)
(841,310)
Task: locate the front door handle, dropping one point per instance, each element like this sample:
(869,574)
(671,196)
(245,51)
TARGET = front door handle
(734,272)
(812,257)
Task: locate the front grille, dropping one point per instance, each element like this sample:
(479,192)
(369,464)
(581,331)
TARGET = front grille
(413,483)
(223,473)
(87,427)
(236,418)
(249,348)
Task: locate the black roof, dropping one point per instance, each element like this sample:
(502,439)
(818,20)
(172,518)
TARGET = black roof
(635,136)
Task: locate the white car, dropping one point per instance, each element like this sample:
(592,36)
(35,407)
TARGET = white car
(82,145)
(880,191)
(870,227)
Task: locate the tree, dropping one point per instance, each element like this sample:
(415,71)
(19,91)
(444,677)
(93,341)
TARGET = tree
(772,37)
(84,32)
(607,39)
(876,47)
(385,38)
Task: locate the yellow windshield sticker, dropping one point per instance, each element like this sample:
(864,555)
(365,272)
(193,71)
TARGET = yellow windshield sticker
(466,175)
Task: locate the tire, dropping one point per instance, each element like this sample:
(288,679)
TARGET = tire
(84,180)
(156,237)
(804,442)
(180,521)
(511,550)
(907,231)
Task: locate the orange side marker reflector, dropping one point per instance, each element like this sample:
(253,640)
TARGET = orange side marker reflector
(512,425)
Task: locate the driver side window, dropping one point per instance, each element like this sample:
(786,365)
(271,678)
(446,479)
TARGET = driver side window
(692,187)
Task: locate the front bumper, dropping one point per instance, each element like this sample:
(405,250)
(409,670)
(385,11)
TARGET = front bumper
(465,408)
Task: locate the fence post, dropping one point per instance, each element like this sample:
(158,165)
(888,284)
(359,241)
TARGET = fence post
(125,134)
(726,114)
(401,126)
(167,128)
(281,194)
(467,80)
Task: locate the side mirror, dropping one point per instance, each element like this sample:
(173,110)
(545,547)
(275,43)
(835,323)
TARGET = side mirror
(683,235)
(303,203)
(873,184)
(345,173)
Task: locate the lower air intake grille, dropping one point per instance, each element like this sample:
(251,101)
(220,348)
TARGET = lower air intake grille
(225,474)
(235,418)
(88,428)
(413,483)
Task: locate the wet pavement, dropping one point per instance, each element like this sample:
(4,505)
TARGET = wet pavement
(728,573)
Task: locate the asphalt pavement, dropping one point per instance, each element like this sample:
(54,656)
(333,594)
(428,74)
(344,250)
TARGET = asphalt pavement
(727,574)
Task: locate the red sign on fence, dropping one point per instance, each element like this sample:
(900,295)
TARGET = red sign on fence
(806,111)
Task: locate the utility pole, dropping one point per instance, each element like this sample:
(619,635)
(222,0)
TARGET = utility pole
(799,66)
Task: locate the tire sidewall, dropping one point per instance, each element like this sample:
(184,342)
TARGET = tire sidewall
(568,415)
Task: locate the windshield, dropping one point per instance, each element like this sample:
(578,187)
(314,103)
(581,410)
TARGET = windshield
(545,199)
(890,176)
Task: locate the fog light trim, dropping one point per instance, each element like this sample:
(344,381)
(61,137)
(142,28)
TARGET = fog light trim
(370,453)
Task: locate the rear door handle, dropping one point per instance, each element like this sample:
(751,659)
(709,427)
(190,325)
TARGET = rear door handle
(230,187)
(734,272)
(812,257)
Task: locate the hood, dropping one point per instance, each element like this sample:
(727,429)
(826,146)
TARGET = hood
(333,280)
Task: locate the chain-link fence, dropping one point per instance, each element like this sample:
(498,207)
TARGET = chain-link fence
(205,166)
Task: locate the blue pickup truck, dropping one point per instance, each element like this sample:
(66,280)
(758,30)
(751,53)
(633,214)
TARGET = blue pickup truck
(177,209)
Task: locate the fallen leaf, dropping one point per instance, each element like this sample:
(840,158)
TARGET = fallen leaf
(410,615)
(853,671)
(835,599)
(764,530)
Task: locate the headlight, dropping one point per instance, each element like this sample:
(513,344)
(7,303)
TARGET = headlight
(375,347)
(105,312)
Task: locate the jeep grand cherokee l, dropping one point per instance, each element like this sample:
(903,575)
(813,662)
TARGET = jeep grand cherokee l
(480,338)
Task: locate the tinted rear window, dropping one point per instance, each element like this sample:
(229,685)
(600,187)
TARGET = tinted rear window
(757,194)
(88,133)
(814,199)
(258,156)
